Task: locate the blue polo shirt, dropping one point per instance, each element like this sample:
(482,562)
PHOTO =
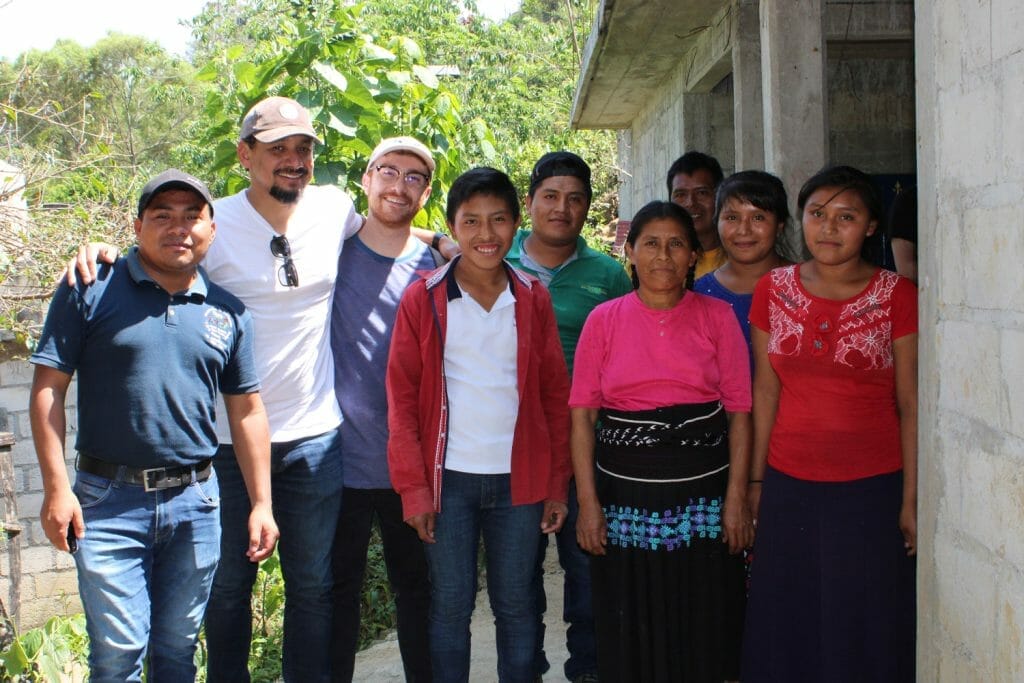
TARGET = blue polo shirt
(149,363)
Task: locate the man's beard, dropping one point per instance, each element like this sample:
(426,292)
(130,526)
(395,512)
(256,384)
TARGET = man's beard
(285,196)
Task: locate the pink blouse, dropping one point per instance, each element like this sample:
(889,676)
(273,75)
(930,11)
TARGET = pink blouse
(632,357)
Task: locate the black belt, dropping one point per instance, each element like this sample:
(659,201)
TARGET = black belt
(150,479)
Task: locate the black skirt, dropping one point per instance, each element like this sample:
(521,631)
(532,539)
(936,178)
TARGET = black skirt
(832,589)
(668,597)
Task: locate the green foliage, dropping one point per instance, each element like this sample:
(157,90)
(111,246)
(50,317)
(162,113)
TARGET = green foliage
(377,604)
(48,653)
(359,91)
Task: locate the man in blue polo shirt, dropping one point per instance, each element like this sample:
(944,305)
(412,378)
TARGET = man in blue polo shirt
(152,341)
(578,278)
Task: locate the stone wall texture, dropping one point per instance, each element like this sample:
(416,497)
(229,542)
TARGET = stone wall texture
(49,585)
(970,92)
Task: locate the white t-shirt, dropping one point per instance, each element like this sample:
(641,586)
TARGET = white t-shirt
(480,368)
(292,335)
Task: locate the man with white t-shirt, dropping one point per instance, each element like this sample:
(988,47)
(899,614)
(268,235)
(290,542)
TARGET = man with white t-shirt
(278,252)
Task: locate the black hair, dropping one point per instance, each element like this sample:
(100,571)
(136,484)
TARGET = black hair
(560,163)
(759,188)
(485,181)
(658,210)
(690,163)
(845,178)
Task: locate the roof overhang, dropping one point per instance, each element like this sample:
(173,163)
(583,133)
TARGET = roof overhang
(633,46)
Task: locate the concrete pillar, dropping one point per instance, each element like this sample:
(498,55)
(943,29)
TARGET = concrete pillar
(748,109)
(696,116)
(793,63)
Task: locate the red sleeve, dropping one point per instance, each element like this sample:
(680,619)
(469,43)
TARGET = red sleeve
(759,304)
(404,375)
(554,388)
(590,353)
(904,308)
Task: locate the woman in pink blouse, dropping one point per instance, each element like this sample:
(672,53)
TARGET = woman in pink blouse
(660,445)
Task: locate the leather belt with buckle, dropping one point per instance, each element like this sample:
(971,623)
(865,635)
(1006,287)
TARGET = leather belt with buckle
(151,479)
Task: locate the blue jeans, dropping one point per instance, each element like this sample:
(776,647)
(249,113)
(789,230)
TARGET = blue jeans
(576,607)
(407,573)
(471,504)
(306,488)
(145,566)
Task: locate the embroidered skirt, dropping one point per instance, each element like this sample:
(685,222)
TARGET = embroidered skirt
(832,591)
(668,598)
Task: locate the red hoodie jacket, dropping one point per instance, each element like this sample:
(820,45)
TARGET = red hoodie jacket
(418,399)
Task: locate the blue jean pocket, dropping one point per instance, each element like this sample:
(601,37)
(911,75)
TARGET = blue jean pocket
(208,491)
(91,489)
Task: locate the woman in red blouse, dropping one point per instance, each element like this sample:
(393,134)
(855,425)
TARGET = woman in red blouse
(835,453)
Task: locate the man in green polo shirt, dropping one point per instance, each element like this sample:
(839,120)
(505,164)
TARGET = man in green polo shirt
(578,278)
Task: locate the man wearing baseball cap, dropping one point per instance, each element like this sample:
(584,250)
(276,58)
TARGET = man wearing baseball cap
(277,250)
(152,341)
(375,267)
(578,278)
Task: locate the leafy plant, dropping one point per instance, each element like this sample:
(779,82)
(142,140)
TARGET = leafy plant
(48,653)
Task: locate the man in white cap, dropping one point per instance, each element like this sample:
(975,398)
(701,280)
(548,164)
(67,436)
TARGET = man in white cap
(375,267)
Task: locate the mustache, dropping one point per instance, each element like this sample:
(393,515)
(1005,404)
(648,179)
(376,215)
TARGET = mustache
(298,170)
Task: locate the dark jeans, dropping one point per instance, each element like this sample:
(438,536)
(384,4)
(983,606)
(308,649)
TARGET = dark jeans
(407,573)
(473,505)
(576,610)
(305,478)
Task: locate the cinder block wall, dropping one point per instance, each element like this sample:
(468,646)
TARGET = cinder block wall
(49,585)
(970,90)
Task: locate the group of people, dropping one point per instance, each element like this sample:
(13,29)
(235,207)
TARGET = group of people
(506,385)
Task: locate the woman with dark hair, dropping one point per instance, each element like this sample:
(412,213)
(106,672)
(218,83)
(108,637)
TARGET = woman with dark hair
(835,452)
(751,211)
(660,408)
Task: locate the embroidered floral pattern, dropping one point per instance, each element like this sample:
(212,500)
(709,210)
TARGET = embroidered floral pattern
(630,527)
(861,338)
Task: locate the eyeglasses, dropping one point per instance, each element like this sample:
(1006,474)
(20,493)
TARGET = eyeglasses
(280,248)
(412,179)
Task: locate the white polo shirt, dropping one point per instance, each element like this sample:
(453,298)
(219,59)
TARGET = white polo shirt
(480,368)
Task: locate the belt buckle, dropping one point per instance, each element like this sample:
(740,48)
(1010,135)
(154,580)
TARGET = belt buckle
(146,485)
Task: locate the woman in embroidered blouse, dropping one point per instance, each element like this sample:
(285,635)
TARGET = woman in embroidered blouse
(662,481)
(835,438)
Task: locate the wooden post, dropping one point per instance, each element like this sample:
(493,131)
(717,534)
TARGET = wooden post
(11,526)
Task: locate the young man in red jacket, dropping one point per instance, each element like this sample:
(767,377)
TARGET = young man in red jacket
(477,412)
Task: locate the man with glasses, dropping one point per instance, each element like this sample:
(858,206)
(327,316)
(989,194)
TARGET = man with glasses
(375,267)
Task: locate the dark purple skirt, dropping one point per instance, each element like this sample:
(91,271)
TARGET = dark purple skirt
(832,591)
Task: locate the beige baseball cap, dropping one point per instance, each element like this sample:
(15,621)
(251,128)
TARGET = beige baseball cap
(275,118)
(402,144)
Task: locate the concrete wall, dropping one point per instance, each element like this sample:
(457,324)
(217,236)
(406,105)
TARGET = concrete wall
(49,584)
(970,92)
(663,132)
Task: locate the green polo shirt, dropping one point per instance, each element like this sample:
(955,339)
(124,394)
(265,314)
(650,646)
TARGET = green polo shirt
(587,279)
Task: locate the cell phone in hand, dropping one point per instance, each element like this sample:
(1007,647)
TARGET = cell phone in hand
(72,540)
